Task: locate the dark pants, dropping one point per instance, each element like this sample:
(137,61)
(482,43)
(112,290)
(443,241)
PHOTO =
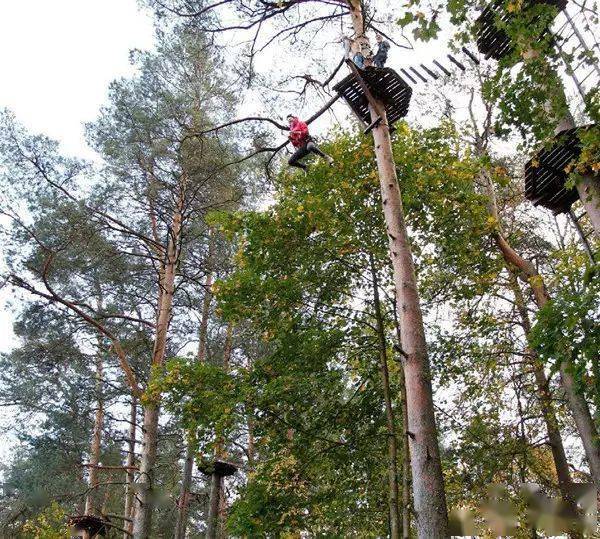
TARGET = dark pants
(302,152)
(379,60)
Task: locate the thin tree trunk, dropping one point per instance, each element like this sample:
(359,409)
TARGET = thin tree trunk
(130,477)
(429,497)
(565,483)
(547,406)
(188,467)
(91,501)
(250,449)
(392,464)
(217,491)
(222,527)
(405,464)
(145,498)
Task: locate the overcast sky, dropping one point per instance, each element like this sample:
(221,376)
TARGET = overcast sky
(57,59)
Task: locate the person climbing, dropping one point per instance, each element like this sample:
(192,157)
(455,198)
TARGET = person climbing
(383,47)
(303,142)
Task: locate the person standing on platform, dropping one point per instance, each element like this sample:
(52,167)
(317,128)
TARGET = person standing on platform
(383,47)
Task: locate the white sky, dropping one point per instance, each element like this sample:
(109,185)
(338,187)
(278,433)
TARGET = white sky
(57,59)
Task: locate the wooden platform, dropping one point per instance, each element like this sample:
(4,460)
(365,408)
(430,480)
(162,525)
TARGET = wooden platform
(385,84)
(492,41)
(92,524)
(545,174)
(219,467)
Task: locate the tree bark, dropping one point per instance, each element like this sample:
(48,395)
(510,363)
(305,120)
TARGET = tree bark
(184,494)
(144,500)
(220,452)
(392,464)
(130,477)
(429,498)
(405,448)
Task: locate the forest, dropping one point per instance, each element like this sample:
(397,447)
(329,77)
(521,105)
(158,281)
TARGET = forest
(333,272)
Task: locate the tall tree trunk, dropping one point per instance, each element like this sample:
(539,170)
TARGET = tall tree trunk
(547,406)
(184,494)
(91,502)
(188,467)
(428,483)
(405,463)
(222,527)
(392,464)
(145,497)
(429,497)
(130,475)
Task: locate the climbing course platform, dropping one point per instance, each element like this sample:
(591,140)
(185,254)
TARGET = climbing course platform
(493,42)
(219,467)
(92,525)
(384,84)
(545,174)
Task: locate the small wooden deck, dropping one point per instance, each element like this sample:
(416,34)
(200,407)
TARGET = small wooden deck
(92,524)
(545,174)
(385,85)
(218,467)
(492,41)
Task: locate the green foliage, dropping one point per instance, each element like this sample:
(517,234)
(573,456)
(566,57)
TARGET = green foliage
(449,218)
(568,327)
(204,397)
(49,524)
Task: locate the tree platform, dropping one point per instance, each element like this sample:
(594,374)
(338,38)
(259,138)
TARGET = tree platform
(219,467)
(384,84)
(493,42)
(545,174)
(92,524)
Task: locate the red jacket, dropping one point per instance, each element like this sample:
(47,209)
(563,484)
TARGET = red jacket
(298,133)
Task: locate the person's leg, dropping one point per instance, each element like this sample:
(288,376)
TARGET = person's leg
(379,60)
(294,160)
(312,147)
